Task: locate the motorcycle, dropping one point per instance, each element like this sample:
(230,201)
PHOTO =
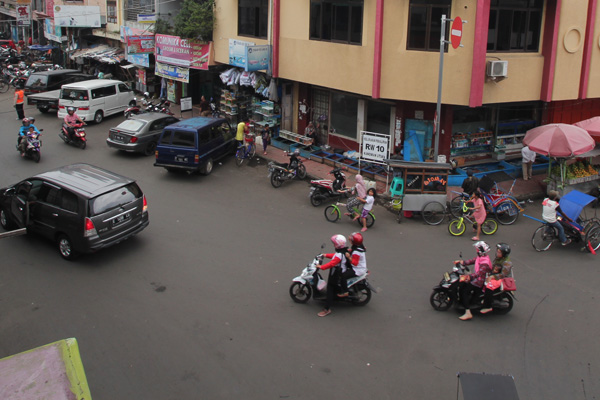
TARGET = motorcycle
(164,106)
(137,109)
(310,284)
(447,294)
(280,172)
(34,146)
(77,139)
(324,189)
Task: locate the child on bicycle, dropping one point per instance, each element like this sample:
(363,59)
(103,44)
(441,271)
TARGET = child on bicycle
(368,206)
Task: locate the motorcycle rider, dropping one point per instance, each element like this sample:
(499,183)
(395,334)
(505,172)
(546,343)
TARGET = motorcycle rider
(357,260)
(22,140)
(472,284)
(501,268)
(336,267)
(71,119)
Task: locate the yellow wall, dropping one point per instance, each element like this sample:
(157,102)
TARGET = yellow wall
(594,78)
(524,82)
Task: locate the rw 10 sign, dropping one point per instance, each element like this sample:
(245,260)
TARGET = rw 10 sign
(375,146)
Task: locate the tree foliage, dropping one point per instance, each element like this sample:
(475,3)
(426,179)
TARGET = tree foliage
(162,26)
(196,20)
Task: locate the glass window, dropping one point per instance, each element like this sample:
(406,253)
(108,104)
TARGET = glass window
(111,12)
(344,110)
(73,94)
(68,201)
(116,198)
(414,182)
(434,183)
(183,139)
(110,90)
(133,125)
(36,80)
(378,117)
(425,24)
(515,25)
(123,88)
(97,93)
(166,137)
(49,194)
(336,20)
(253,18)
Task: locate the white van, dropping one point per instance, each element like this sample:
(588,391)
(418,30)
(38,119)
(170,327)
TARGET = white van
(95,99)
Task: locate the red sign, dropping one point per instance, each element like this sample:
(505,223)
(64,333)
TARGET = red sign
(456,32)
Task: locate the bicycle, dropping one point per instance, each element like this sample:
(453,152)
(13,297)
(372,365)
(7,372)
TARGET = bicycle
(247,151)
(333,214)
(458,226)
(545,235)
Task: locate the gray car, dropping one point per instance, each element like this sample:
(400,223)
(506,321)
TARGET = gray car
(140,133)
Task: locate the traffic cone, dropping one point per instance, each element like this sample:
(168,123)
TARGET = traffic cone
(591,248)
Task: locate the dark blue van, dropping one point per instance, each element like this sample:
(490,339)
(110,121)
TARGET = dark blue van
(194,144)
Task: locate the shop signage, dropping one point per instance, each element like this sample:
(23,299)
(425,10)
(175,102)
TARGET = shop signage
(139,59)
(141,74)
(200,55)
(50,8)
(186,103)
(257,57)
(146,18)
(52,32)
(456,34)
(238,52)
(172,72)
(375,146)
(77,16)
(140,44)
(27,2)
(173,50)
(171,91)
(23,15)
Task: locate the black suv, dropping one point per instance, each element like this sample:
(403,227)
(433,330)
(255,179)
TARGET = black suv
(45,81)
(81,207)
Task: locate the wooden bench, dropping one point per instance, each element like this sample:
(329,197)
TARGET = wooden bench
(294,137)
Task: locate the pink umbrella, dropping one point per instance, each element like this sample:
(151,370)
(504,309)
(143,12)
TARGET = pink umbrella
(592,126)
(559,140)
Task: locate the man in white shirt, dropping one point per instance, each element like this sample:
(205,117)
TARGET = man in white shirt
(528,159)
(550,206)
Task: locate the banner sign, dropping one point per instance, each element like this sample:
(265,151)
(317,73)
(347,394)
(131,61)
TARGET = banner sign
(185,104)
(50,8)
(141,75)
(375,146)
(257,57)
(140,44)
(142,60)
(200,55)
(23,15)
(53,32)
(173,50)
(172,72)
(77,16)
(238,52)
(146,18)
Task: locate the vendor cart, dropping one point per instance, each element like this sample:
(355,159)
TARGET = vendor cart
(419,187)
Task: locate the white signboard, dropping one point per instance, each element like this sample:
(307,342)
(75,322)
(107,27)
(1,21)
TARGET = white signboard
(186,103)
(146,18)
(77,16)
(375,146)
(23,15)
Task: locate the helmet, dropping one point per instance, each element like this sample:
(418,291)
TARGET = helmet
(146,94)
(296,152)
(26,120)
(339,241)
(356,238)
(481,247)
(10,67)
(504,249)
(69,109)
(56,66)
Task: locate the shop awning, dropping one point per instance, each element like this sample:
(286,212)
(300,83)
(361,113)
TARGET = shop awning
(102,53)
(39,47)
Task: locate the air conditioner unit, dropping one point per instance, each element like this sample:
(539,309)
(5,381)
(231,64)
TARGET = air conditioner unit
(497,69)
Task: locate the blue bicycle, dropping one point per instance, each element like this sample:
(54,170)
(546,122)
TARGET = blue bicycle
(245,152)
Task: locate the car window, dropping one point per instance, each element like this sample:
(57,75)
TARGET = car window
(68,201)
(171,120)
(165,138)
(73,94)
(226,131)
(36,80)
(215,132)
(132,125)
(158,124)
(36,186)
(110,90)
(183,139)
(123,88)
(49,194)
(204,136)
(116,198)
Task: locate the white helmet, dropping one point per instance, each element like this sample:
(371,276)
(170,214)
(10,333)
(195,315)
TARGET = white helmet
(339,241)
(481,247)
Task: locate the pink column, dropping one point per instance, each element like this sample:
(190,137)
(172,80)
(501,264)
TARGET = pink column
(276,28)
(549,48)
(376,91)
(588,48)
(482,19)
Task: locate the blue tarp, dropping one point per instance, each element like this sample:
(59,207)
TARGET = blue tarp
(574,202)
(42,48)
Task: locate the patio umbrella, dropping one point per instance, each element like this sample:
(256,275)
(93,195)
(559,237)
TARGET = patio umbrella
(559,140)
(592,126)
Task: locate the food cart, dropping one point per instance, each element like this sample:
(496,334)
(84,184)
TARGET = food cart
(419,187)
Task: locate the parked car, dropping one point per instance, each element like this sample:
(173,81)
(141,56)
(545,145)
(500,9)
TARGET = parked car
(140,133)
(81,207)
(45,81)
(194,144)
(95,99)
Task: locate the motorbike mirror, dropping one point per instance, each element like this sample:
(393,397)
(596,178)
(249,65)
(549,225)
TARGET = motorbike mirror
(323,246)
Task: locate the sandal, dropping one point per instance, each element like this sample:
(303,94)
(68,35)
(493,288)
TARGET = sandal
(324,313)
(475,239)
(343,294)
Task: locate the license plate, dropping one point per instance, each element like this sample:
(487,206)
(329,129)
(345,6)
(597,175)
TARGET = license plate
(119,138)
(181,159)
(121,218)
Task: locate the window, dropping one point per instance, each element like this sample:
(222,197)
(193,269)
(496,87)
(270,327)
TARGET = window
(425,24)
(110,90)
(344,111)
(111,12)
(117,198)
(183,139)
(135,7)
(336,20)
(378,117)
(253,18)
(73,94)
(68,201)
(515,25)
(123,88)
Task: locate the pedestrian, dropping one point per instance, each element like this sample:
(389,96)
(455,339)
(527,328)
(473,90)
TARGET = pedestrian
(368,201)
(479,213)
(310,131)
(527,162)
(204,107)
(550,206)
(163,88)
(470,184)
(266,138)
(20,101)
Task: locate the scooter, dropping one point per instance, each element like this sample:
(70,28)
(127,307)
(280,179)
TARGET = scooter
(280,172)
(137,109)
(77,139)
(34,146)
(324,189)
(446,294)
(310,284)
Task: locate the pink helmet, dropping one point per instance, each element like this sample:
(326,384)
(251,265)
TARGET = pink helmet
(339,241)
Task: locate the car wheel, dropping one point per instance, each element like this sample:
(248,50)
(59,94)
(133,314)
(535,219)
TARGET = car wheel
(5,221)
(98,117)
(150,149)
(207,168)
(65,247)
(44,110)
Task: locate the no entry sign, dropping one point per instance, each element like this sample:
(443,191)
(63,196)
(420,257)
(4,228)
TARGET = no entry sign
(456,32)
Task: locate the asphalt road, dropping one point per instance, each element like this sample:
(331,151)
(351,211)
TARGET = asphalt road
(197,305)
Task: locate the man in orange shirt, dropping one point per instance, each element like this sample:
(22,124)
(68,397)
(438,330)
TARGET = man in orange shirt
(20,102)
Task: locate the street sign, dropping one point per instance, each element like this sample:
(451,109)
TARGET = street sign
(456,32)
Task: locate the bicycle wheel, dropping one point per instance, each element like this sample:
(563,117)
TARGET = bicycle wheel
(433,212)
(456,206)
(507,212)
(239,157)
(543,237)
(489,226)
(457,227)
(252,150)
(592,238)
(332,214)
(370,220)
